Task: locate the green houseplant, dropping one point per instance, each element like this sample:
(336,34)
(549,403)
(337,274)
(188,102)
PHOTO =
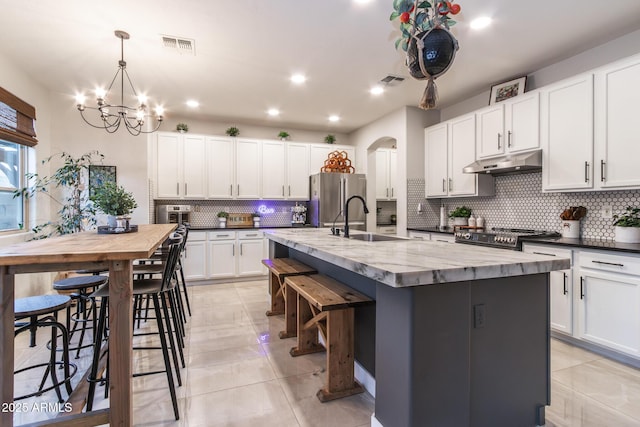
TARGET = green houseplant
(330,139)
(232,131)
(182,127)
(283,135)
(68,187)
(460,215)
(627,225)
(222,218)
(114,201)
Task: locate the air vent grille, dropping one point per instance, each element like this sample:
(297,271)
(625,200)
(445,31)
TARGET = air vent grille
(392,80)
(179,44)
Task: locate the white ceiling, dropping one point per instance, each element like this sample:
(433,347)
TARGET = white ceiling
(247,49)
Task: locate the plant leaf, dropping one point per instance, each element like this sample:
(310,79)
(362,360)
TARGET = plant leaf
(394,15)
(424,5)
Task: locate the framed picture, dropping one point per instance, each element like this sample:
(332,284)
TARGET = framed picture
(99,174)
(506,90)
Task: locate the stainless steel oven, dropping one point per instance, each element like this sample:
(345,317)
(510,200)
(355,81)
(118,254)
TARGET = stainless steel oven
(173,214)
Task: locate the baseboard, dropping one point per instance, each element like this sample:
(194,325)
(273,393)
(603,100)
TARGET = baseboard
(365,378)
(375,422)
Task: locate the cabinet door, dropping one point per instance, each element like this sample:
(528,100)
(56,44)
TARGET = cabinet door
(250,257)
(194,261)
(168,166)
(522,123)
(317,155)
(273,170)
(490,136)
(462,145)
(297,171)
(608,310)
(222,259)
(567,134)
(393,172)
(193,167)
(435,151)
(561,284)
(419,235)
(442,237)
(248,171)
(382,174)
(617,125)
(220,168)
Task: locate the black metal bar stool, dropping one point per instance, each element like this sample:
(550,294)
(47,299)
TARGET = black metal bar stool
(27,312)
(81,287)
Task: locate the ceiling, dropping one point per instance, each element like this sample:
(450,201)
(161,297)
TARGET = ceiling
(246,51)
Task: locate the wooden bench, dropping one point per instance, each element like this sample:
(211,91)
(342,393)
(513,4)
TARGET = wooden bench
(280,269)
(327,306)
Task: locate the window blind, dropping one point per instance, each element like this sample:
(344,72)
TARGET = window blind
(17,120)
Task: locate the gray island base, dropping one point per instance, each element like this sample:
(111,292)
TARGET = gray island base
(458,335)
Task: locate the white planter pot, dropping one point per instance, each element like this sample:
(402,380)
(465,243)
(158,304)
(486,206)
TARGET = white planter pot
(460,221)
(571,229)
(222,222)
(627,234)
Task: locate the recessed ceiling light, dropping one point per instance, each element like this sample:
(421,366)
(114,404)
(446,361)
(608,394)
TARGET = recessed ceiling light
(193,103)
(480,23)
(362,1)
(298,78)
(273,112)
(376,90)
(334,118)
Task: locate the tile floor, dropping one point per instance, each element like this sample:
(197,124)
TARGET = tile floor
(239,373)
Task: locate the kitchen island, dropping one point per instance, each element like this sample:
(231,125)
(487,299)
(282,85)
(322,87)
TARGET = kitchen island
(458,336)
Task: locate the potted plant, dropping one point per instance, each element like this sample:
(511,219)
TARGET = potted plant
(222,218)
(330,139)
(232,131)
(116,202)
(182,127)
(256,219)
(627,226)
(283,135)
(460,215)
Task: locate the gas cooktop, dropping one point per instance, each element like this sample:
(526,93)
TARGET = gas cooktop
(506,238)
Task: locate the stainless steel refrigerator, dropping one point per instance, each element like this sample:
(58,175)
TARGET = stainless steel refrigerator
(329,192)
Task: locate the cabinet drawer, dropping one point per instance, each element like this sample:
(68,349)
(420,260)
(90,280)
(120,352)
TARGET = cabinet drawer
(607,262)
(548,250)
(222,235)
(197,236)
(419,235)
(250,234)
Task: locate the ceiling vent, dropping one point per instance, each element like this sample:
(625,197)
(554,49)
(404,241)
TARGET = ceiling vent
(180,45)
(392,80)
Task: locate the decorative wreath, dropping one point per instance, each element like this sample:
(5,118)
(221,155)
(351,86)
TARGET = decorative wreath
(426,38)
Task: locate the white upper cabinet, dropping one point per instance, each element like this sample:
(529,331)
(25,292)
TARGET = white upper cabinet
(297,171)
(386,169)
(435,152)
(462,153)
(180,168)
(221,168)
(617,125)
(510,126)
(273,170)
(248,170)
(567,134)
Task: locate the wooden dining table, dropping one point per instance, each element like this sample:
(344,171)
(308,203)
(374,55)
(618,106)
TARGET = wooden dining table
(86,250)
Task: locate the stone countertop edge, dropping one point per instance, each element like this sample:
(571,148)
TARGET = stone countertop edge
(608,245)
(408,262)
(435,229)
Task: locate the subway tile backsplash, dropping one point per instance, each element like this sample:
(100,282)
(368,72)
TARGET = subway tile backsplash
(520,203)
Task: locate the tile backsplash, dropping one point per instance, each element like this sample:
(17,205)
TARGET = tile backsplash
(520,203)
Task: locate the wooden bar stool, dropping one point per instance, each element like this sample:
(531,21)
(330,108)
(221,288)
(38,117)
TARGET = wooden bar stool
(280,269)
(327,306)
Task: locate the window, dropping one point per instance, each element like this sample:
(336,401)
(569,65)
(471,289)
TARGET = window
(11,178)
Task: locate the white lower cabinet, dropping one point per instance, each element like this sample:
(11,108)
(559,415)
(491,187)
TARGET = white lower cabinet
(419,235)
(386,229)
(224,254)
(561,288)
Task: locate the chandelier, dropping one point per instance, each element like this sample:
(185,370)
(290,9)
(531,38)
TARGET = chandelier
(115,115)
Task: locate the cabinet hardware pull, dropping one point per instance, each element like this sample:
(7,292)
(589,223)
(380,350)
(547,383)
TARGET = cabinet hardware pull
(387,192)
(543,253)
(185,189)
(450,184)
(602,177)
(586,171)
(391,191)
(445,241)
(289,191)
(283,191)
(509,139)
(238,189)
(233,249)
(241,249)
(565,290)
(250,235)
(581,287)
(443,185)
(607,263)
(177,188)
(231,189)
(499,136)
(222,235)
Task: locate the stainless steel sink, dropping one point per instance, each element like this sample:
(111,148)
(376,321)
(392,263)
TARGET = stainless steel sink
(372,237)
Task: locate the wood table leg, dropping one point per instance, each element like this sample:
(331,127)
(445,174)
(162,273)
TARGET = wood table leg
(120,345)
(290,313)
(277,295)
(6,338)
(307,338)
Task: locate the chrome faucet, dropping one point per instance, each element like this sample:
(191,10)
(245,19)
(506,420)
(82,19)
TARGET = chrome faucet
(346,213)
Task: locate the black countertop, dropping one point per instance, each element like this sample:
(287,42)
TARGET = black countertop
(608,245)
(244,228)
(436,229)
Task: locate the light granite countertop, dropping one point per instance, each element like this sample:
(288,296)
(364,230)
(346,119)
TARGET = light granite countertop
(408,262)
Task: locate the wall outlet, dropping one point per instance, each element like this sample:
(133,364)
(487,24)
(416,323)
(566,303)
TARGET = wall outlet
(606,212)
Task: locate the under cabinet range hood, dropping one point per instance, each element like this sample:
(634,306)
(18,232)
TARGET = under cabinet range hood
(509,164)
